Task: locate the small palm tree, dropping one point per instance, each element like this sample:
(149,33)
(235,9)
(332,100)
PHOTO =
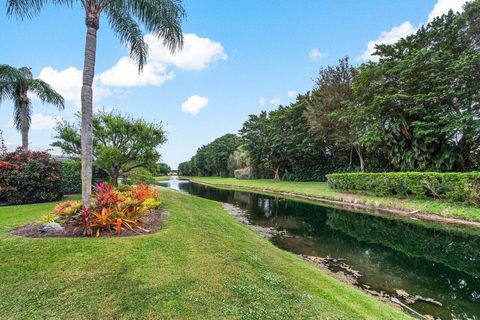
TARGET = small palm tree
(15,84)
(160,17)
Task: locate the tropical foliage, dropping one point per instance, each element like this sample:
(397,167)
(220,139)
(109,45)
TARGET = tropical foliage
(29,177)
(120,145)
(15,85)
(111,211)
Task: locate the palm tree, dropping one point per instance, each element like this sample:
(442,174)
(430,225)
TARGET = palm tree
(160,17)
(15,84)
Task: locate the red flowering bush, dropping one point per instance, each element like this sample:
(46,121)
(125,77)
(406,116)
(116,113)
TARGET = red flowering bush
(29,177)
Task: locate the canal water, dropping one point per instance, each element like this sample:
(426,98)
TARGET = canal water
(425,259)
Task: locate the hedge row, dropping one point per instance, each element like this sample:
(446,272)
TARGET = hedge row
(451,186)
(72,179)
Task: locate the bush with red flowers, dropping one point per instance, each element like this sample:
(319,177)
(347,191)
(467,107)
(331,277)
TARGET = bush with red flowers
(29,177)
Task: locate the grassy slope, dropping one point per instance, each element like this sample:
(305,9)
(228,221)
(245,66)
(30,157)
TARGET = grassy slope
(203,264)
(162,178)
(322,190)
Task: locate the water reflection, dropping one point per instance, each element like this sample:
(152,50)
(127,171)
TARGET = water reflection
(422,259)
(174,183)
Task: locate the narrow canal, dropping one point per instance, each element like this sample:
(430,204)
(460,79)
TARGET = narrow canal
(385,254)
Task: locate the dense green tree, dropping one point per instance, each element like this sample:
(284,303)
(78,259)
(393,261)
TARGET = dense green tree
(160,17)
(162,169)
(120,143)
(212,159)
(281,142)
(186,169)
(328,107)
(16,84)
(419,103)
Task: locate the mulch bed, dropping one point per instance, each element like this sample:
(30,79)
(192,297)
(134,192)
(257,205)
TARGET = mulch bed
(153,222)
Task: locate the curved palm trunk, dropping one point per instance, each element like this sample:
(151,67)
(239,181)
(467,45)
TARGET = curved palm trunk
(87,101)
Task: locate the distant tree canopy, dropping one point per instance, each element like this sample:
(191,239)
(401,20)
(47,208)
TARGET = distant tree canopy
(120,143)
(212,159)
(161,169)
(415,109)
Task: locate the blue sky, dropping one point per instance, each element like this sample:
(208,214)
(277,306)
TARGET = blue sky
(240,57)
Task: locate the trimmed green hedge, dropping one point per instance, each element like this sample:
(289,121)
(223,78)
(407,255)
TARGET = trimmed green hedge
(451,186)
(72,181)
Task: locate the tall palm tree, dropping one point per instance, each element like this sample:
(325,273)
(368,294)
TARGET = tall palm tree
(15,84)
(161,17)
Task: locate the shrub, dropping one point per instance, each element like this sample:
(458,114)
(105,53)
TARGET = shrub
(111,209)
(451,186)
(29,177)
(67,208)
(72,179)
(141,175)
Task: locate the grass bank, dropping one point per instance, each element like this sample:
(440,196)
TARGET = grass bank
(323,191)
(203,265)
(162,178)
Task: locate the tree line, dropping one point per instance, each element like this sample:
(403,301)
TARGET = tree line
(414,109)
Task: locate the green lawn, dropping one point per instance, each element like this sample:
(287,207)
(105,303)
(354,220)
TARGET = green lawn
(203,265)
(322,190)
(162,178)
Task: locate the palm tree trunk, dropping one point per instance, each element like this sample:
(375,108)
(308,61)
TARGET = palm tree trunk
(24,122)
(87,101)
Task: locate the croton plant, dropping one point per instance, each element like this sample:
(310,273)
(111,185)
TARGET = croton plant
(111,210)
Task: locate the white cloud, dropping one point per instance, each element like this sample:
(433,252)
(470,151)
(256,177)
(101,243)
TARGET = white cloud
(407,28)
(197,54)
(194,104)
(262,101)
(39,122)
(275,101)
(125,74)
(42,122)
(315,54)
(443,6)
(292,94)
(68,83)
(388,37)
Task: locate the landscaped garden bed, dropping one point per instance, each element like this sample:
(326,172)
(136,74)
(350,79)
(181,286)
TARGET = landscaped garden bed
(134,210)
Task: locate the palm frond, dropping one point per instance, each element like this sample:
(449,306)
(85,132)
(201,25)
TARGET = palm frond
(8,81)
(18,116)
(46,93)
(30,8)
(163,18)
(8,72)
(6,90)
(129,32)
